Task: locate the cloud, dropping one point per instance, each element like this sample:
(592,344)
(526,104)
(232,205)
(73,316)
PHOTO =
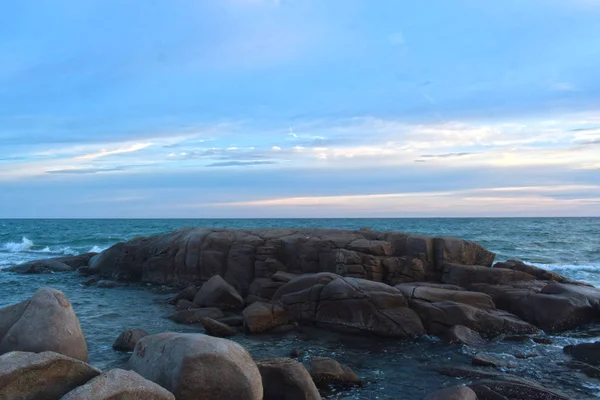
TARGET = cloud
(239,163)
(103,153)
(78,171)
(446,155)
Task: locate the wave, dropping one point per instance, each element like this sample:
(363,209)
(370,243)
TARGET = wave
(15,247)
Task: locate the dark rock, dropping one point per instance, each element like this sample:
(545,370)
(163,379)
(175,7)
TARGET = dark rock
(467,275)
(236,320)
(127,340)
(537,272)
(45,322)
(281,276)
(585,352)
(196,366)
(216,328)
(38,376)
(105,284)
(91,281)
(325,372)
(295,353)
(195,315)
(462,334)
(587,369)
(264,288)
(403,269)
(438,317)
(437,294)
(187,294)
(514,390)
(184,305)
(286,379)
(218,293)
(542,340)
(118,384)
(453,393)
(262,317)
(50,265)
(552,307)
(457,251)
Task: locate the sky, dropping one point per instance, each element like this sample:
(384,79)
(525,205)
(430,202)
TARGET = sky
(299,108)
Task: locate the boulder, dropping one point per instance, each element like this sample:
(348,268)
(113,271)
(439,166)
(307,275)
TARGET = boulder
(41,376)
(127,340)
(235,320)
(281,276)
(493,360)
(537,272)
(195,315)
(118,384)
(453,393)
(403,269)
(438,317)
(216,328)
(325,372)
(45,322)
(264,288)
(51,265)
(550,306)
(193,366)
(467,275)
(437,294)
(463,335)
(262,317)
(286,379)
(304,282)
(218,293)
(585,352)
(361,306)
(449,250)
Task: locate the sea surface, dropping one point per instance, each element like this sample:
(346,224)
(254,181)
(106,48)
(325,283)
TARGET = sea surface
(391,369)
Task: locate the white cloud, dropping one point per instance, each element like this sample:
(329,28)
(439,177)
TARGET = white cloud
(120,150)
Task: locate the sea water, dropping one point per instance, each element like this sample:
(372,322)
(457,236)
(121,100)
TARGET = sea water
(392,369)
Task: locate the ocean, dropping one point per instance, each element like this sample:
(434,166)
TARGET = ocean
(569,246)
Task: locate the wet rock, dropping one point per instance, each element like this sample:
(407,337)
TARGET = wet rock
(38,376)
(91,282)
(463,335)
(195,315)
(587,369)
(437,294)
(438,317)
(514,390)
(184,305)
(187,294)
(216,328)
(295,353)
(286,379)
(106,284)
(193,366)
(542,340)
(51,265)
(357,305)
(128,339)
(453,393)
(262,317)
(585,352)
(118,384)
(492,360)
(45,322)
(325,372)
(218,293)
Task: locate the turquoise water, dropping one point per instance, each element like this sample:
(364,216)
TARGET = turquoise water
(392,369)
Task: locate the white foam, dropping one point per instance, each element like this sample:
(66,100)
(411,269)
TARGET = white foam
(15,247)
(97,249)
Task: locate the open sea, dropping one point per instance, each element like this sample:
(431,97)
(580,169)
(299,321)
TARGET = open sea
(391,369)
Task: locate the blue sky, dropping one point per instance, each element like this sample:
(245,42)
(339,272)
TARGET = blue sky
(299,108)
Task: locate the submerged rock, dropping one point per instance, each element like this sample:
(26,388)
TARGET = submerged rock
(514,390)
(50,265)
(118,384)
(286,379)
(45,322)
(586,352)
(38,376)
(216,328)
(462,334)
(194,366)
(195,315)
(325,372)
(128,339)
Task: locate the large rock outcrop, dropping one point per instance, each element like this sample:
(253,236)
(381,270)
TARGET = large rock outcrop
(41,376)
(194,255)
(193,366)
(45,322)
(50,265)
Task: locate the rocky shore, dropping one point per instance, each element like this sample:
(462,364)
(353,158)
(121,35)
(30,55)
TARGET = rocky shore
(395,285)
